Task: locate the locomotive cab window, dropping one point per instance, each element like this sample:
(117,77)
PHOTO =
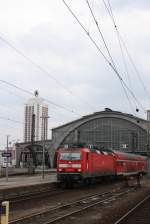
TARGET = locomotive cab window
(70,156)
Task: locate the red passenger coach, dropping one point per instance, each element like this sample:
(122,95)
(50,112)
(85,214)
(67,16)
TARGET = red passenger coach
(76,164)
(128,164)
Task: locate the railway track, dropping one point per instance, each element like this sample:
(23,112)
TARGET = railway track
(59,213)
(23,192)
(35,195)
(28,198)
(139,214)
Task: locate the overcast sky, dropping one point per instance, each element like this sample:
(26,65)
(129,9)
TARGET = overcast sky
(79,78)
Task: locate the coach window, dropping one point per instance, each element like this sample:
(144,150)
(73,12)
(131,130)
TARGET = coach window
(120,163)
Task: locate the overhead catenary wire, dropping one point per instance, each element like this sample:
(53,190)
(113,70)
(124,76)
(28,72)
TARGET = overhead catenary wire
(89,25)
(125,91)
(10,119)
(12,93)
(62,107)
(7,110)
(120,38)
(108,51)
(135,69)
(29,59)
(15,86)
(28,92)
(47,100)
(100,51)
(100,32)
(109,10)
(43,70)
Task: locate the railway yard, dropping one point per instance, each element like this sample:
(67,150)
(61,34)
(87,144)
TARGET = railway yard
(74,143)
(111,202)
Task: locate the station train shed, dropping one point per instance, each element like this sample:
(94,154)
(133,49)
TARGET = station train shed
(109,129)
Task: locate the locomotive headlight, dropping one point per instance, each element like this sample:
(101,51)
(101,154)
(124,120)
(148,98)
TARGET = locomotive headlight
(79,170)
(59,169)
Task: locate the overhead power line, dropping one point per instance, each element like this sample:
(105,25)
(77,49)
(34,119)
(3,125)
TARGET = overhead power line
(62,107)
(100,32)
(109,10)
(135,68)
(106,59)
(12,93)
(43,70)
(30,93)
(120,39)
(12,120)
(17,87)
(108,51)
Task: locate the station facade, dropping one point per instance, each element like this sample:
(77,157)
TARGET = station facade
(108,129)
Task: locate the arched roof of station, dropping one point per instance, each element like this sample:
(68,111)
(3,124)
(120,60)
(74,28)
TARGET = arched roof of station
(61,132)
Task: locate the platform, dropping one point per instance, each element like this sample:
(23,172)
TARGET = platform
(25,180)
(22,171)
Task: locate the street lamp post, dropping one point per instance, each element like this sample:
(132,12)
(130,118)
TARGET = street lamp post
(148,139)
(148,131)
(7,160)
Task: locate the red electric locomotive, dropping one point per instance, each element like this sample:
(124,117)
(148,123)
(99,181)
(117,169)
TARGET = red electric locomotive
(76,164)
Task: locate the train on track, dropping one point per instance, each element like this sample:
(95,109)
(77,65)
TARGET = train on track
(86,163)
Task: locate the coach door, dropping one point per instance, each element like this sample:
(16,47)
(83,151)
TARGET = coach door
(87,162)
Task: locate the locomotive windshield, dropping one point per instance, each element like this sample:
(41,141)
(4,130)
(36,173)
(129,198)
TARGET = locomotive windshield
(70,156)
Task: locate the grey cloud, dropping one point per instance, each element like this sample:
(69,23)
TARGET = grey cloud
(59,45)
(130,4)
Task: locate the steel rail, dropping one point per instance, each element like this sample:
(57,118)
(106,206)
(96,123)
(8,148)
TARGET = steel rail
(82,209)
(37,195)
(132,210)
(77,206)
(44,211)
(30,195)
